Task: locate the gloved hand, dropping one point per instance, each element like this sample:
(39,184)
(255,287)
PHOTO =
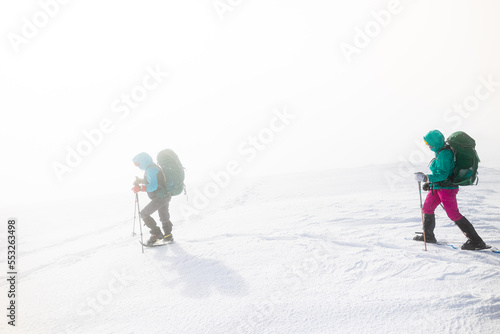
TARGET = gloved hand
(138,181)
(420,177)
(139,188)
(426,186)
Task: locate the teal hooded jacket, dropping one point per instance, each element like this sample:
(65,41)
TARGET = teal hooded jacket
(444,163)
(154,179)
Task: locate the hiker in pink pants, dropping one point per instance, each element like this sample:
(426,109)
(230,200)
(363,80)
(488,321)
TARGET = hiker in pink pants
(443,191)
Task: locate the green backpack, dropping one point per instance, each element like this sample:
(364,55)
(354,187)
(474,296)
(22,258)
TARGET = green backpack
(173,171)
(466,159)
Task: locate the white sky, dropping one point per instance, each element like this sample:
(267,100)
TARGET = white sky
(225,79)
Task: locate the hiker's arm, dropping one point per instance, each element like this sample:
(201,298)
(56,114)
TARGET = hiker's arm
(152,179)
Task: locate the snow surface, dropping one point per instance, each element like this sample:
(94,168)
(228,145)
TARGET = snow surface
(304,253)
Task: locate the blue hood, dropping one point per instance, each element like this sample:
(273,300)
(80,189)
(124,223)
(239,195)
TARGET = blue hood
(435,139)
(143,159)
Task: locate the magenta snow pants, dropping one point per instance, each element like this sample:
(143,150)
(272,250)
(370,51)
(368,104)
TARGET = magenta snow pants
(449,199)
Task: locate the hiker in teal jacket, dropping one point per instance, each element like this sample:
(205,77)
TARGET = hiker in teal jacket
(154,184)
(442,191)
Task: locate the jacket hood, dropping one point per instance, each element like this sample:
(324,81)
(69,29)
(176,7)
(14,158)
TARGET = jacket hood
(143,159)
(435,139)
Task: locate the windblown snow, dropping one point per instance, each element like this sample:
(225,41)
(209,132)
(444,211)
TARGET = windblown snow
(324,252)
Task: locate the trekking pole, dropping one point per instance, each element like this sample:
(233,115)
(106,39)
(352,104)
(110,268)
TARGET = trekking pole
(422,214)
(135,217)
(140,225)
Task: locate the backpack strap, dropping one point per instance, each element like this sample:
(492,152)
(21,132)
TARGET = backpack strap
(445,147)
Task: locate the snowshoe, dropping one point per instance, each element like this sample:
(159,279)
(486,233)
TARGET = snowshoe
(168,238)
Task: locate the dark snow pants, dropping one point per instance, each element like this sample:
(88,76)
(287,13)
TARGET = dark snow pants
(160,205)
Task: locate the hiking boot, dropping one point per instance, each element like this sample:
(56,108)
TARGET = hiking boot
(431,239)
(152,239)
(474,240)
(155,235)
(471,245)
(429,225)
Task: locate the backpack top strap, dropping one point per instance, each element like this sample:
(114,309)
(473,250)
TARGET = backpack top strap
(445,147)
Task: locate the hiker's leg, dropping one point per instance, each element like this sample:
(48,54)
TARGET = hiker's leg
(449,199)
(431,202)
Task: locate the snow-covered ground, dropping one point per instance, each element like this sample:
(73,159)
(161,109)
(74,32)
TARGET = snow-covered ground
(305,253)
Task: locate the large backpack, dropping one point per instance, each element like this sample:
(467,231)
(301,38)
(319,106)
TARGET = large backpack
(466,159)
(173,171)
